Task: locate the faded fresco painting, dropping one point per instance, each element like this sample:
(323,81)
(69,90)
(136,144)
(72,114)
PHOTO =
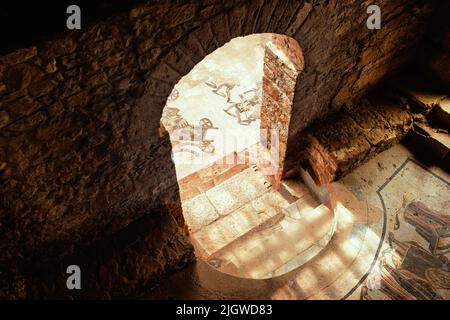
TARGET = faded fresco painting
(220,96)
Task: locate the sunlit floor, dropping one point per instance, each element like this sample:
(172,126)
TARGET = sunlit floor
(375,252)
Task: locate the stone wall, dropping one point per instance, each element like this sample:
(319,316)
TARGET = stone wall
(333,147)
(435,49)
(80,154)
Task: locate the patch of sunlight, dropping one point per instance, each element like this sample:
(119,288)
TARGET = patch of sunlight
(346,217)
(307,279)
(351,246)
(329,263)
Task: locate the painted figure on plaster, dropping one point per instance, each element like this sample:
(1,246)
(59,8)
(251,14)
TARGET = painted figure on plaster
(186,137)
(246,110)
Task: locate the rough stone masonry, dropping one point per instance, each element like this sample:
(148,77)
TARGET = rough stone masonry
(83,170)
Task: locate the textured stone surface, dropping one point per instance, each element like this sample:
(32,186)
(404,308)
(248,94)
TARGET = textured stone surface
(319,162)
(418,91)
(199,212)
(440,115)
(434,53)
(350,255)
(331,148)
(278,87)
(80,153)
(430,144)
(121,270)
(233,194)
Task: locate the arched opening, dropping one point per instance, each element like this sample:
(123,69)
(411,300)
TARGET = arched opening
(228,122)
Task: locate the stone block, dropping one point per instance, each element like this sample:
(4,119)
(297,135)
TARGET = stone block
(19,56)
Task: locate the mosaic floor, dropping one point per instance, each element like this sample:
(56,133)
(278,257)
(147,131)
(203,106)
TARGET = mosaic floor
(413,259)
(390,240)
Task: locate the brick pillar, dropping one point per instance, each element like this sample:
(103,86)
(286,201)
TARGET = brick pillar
(278,93)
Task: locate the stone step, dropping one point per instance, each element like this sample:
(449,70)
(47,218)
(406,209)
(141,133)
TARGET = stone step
(263,210)
(306,255)
(302,206)
(440,114)
(423,94)
(210,176)
(221,199)
(430,145)
(295,188)
(251,237)
(238,191)
(266,251)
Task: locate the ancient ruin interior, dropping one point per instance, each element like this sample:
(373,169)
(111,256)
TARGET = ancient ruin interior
(242,149)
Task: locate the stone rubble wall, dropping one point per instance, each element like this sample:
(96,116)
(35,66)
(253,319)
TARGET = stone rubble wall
(435,49)
(80,154)
(333,147)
